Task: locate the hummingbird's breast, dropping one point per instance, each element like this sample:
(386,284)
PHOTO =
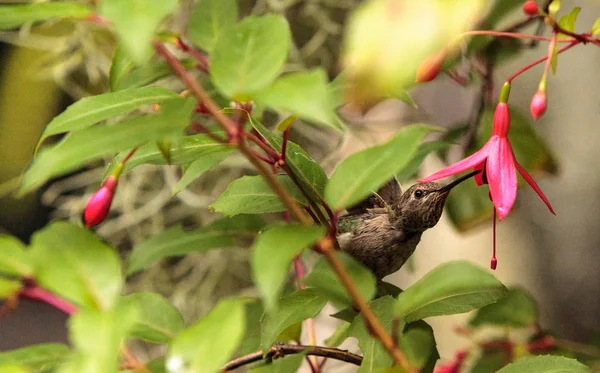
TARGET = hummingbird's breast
(376,243)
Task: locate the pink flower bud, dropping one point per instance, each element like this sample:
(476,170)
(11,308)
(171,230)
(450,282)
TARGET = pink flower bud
(501,123)
(530,8)
(430,67)
(538,104)
(98,206)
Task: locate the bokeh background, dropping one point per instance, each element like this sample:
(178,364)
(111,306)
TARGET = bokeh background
(554,257)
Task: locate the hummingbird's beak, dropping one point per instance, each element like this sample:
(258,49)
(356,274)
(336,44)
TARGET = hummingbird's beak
(447,187)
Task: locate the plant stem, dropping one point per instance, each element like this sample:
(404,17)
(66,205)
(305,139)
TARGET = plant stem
(371,320)
(328,249)
(44,296)
(197,89)
(281,350)
(310,325)
(537,62)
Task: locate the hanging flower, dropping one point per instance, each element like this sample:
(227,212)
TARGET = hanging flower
(98,206)
(498,163)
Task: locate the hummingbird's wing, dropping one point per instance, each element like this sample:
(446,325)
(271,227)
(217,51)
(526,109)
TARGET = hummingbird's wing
(387,195)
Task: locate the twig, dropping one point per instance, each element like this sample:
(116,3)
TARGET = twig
(310,325)
(281,350)
(328,249)
(372,322)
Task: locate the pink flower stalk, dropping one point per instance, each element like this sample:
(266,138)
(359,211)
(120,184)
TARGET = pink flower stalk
(538,104)
(497,161)
(98,206)
(455,365)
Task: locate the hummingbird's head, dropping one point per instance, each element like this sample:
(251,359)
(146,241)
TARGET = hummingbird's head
(421,206)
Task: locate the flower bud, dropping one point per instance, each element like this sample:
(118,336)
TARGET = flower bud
(430,67)
(98,206)
(501,123)
(530,8)
(538,104)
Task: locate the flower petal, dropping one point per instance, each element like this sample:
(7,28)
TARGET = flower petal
(534,186)
(502,177)
(471,161)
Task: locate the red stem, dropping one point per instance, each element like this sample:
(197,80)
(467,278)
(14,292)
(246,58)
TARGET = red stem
(537,62)
(44,296)
(131,153)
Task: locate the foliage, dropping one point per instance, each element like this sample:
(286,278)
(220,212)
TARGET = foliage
(241,63)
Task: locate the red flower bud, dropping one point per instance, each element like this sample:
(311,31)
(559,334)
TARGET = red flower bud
(501,123)
(98,206)
(530,8)
(538,104)
(430,67)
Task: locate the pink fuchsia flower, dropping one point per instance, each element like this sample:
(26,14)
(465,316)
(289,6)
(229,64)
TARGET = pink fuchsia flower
(538,104)
(498,163)
(98,206)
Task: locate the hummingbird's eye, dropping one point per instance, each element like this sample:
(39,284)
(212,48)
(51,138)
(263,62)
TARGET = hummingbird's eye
(419,193)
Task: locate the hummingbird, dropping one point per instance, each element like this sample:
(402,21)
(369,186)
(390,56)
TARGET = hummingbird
(383,230)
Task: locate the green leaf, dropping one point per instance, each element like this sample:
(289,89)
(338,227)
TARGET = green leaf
(74,263)
(91,110)
(250,56)
(211,19)
(304,94)
(251,341)
(186,150)
(148,73)
(12,16)
(545,364)
(365,171)
(97,337)
(375,356)
(410,170)
(293,308)
(450,288)
(568,21)
(121,65)
(158,321)
(284,364)
(253,195)
(418,344)
(207,345)
(324,280)
(135,22)
(339,335)
(309,173)
(273,252)
(596,27)
(96,142)
(13,368)
(175,242)
(14,261)
(39,358)
(198,167)
(516,309)
(9,288)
